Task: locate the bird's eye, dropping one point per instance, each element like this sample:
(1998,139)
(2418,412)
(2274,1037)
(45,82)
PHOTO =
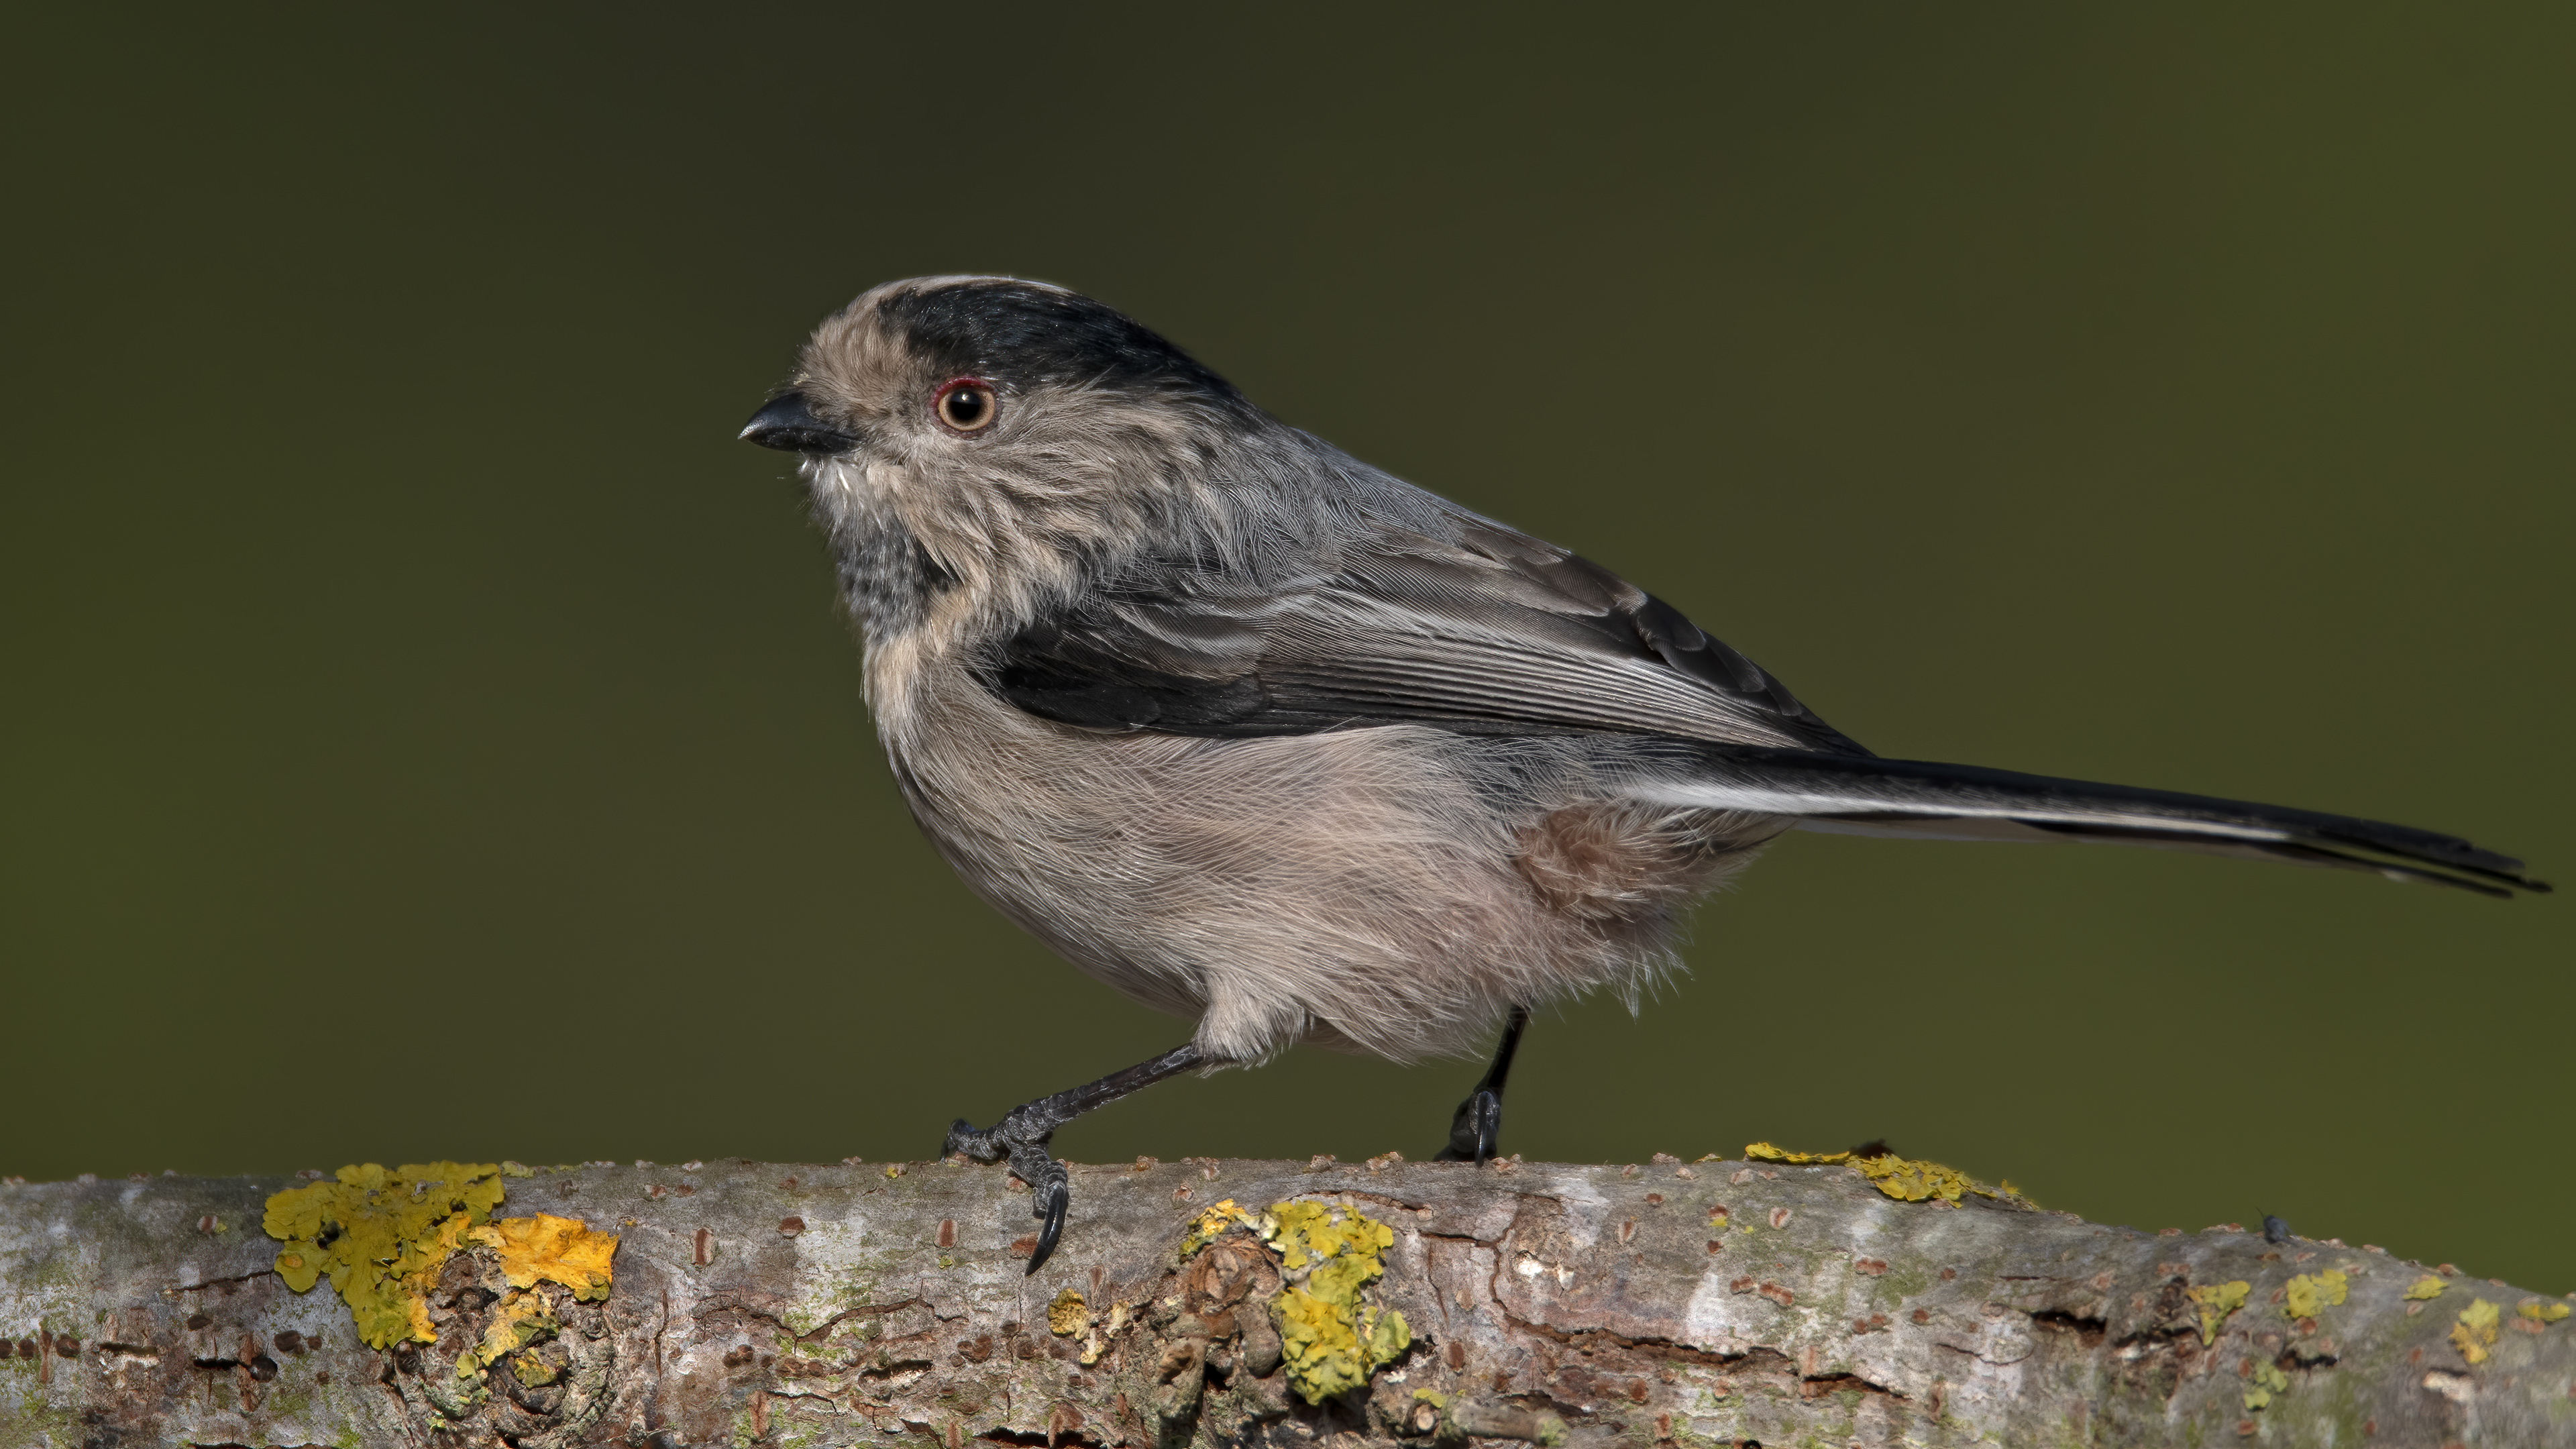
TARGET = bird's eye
(965,404)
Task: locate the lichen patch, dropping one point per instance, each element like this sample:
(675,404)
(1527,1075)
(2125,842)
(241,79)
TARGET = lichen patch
(2475,1335)
(1904,1179)
(383,1237)
(2309,1292)
(1331,1338)
(2216,1302)
(1069,1314)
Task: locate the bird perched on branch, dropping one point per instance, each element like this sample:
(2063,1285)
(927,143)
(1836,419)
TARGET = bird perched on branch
(1267,738)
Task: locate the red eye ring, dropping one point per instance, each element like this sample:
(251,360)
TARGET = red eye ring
(965,404)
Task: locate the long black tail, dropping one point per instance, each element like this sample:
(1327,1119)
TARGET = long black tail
(1863,795)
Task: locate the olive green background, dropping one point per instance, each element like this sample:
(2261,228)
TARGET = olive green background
(428,733)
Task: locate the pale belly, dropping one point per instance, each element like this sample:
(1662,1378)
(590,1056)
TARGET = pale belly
(1356,889)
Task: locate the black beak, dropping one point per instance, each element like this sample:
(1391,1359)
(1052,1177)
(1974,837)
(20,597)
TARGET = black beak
(788,424)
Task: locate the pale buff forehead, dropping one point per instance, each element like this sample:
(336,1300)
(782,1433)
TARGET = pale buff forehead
(860,361)
(855,365)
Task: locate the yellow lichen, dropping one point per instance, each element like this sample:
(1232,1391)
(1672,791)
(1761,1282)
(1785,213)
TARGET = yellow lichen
(2476,1333)
(2539,1312)
(1903,1179)
(1331,1339)
(1219,1219)
(1765,1152)
(544,1248)
(1916,1181)
(2217,1301)
(560,1250)
(2308,1293)
(1312,1233)
(383,1236)
(2425,1287)
(1068,1314)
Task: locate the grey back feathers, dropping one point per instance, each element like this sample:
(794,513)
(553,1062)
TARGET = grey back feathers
(1264,736)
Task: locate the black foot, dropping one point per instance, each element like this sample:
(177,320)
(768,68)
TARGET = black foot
(1476,1131)
(1475,1134)
(1022,1136)
(1050,1187)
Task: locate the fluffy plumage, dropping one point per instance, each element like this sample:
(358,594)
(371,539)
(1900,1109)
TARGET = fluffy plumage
(1263,736)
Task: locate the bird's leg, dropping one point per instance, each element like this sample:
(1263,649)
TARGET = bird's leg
(1022,1136)
(1478,1127)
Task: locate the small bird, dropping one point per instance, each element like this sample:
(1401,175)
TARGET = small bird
(1269,739)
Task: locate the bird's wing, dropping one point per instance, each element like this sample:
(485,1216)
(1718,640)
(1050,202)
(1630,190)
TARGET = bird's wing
(1487,630)
(1494,632)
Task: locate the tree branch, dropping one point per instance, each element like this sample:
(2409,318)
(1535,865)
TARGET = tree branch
(1710,1303)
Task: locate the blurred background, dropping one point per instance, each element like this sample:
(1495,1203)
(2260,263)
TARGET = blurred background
(428,733)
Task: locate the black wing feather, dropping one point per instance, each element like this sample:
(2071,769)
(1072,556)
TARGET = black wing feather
(1493,632)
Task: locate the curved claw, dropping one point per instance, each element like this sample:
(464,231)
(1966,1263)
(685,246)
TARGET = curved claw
(1022,1135)
(1054,1200)
(1477,1131)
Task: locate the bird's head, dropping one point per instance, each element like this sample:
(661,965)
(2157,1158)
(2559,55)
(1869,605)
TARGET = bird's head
(1010,428)
(936,366)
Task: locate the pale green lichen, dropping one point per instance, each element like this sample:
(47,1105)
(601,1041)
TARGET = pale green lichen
(2266,1380)
(2425,1287)
(1331,1338)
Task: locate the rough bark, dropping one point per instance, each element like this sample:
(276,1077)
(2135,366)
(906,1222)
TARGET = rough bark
(857,1304)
